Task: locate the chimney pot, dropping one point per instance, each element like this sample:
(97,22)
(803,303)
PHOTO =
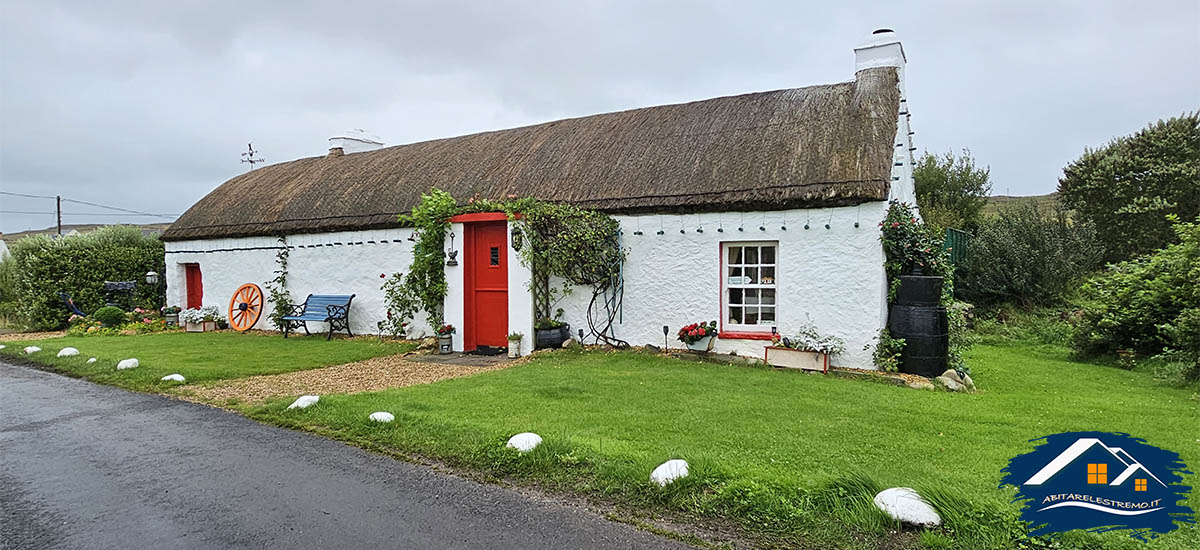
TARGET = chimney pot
(335,151)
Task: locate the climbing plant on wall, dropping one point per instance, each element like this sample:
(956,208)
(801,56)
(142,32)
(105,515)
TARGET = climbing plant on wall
(425,283)
(277,292)
(582,247)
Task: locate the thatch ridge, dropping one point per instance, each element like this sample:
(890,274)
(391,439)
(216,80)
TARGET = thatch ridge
(807,147)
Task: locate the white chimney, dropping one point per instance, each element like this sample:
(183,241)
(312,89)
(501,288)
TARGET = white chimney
(354,141)
(881,49)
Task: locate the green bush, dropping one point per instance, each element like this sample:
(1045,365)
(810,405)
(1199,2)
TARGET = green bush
(1028,256)
(79,265)
(110,316)
(1149,304)
(1128,187)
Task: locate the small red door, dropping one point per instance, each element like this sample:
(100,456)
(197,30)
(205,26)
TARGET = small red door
(195,287)
(485,247)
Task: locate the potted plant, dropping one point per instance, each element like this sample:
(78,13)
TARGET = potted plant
(699,336)
(171,315)
(514,344)
(551,333)
(445,336)
(807,350)
(200,319)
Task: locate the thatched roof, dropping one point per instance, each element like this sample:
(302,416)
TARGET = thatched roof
(797,148)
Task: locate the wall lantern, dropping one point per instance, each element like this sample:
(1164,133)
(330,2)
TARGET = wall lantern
(453,254)
(151,278)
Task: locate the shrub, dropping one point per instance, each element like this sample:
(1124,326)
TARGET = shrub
(950,190)
(1028,256)
(1149,304)
(79,265)
(110,316)
(1128,187)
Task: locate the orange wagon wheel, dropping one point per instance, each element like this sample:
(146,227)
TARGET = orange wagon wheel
(245,307)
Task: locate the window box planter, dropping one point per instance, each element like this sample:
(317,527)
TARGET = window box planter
(702,345)
(203,326)
(550,338)
(789,358)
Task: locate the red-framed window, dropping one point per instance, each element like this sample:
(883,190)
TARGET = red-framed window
(749,279)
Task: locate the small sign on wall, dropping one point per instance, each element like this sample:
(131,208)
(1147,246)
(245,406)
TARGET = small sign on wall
(740,280)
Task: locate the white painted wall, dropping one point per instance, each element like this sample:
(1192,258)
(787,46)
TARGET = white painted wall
(832,277)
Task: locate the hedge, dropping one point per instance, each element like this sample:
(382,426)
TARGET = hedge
(79,265)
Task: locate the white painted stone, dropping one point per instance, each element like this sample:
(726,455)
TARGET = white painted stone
(67,352)
(92,360)
(305,401)
(669,471)
(905,505)
(31,350)
(381,416)
(173,378)
(127,364)
(524,442)
(2,346)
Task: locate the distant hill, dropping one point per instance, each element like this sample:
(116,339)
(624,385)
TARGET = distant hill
(994,203)
(147,229)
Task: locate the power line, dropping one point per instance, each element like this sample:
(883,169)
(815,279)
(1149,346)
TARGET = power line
(24,212)
(118,209)
(24,195)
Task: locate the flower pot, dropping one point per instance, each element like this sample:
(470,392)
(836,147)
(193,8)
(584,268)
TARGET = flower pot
(789,358)
(446,344)
(703,345)
(550,338)
(514,348)
(172,319)
(203,326)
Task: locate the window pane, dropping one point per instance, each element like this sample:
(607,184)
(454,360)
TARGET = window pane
(767,314)
(735,296)
(752,275)
(751,316)
(735,272)
(735,255)
(768,296)
(751,255)
(768,255)
(766,275)
(751,296)
(735,315)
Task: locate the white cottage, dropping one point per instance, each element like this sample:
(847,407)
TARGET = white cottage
(757,210)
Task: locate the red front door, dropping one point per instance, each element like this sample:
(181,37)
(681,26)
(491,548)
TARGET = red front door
(195,287)
(485,254)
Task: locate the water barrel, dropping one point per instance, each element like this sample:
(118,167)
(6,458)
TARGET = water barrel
(921,322)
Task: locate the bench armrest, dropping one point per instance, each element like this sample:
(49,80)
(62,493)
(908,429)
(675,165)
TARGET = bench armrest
(337,312)
(294,310)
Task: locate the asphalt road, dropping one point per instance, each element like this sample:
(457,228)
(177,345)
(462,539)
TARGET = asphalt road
(90,466)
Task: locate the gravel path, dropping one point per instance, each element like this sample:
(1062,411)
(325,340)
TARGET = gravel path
(378,373)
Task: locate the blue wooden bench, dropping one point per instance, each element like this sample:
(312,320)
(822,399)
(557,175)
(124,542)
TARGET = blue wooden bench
(322,308)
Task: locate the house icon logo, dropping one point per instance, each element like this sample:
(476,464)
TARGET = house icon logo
(1098,482)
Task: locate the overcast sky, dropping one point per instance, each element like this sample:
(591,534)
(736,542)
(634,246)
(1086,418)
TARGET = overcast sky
(148,105)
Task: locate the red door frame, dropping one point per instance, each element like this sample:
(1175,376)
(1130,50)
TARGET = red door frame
(194,285)
(471,316)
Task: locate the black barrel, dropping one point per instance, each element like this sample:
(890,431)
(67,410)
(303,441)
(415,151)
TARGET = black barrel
(919,290)
(917,318)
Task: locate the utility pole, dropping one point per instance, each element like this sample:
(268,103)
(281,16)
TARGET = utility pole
(58,210)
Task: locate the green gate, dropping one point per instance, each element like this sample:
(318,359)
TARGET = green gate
(956,244)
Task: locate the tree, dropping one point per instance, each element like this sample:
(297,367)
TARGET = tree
(1128,187)
(951,191)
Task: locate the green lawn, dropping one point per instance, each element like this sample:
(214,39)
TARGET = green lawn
(788,454)
(199,357)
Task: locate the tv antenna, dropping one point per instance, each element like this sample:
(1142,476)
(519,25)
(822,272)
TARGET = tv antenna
(249,158)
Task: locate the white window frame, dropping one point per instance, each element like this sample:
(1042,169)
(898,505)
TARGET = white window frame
(726,325)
